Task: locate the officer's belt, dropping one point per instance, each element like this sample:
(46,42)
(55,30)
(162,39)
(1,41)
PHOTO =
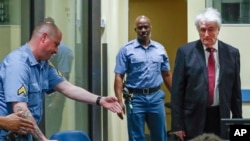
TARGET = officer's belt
(144,90)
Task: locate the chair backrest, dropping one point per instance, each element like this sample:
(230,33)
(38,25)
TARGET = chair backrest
(70,135)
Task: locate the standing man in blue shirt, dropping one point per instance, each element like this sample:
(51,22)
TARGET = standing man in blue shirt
(26,76)
(146,66)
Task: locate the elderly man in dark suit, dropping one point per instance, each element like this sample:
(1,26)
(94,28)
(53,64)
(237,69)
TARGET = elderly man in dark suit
(206,81)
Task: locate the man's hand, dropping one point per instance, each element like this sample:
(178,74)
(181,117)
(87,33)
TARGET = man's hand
(16,123)
(181,134)
(111,103)
(120,115)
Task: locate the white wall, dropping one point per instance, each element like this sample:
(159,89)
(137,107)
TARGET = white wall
(236,35)
(115,34)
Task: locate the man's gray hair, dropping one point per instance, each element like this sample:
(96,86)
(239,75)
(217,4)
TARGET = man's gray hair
(208,15)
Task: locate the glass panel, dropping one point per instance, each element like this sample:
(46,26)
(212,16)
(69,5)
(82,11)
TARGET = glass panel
(228,16)
(61,113)
(10,28)
(232,11)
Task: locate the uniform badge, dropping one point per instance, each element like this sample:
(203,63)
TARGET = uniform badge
(58,72)
(22,90)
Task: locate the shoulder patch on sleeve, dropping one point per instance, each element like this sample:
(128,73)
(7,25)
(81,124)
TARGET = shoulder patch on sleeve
(22,90)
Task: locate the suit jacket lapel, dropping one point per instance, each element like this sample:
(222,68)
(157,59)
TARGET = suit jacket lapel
(222,57)
(202,59)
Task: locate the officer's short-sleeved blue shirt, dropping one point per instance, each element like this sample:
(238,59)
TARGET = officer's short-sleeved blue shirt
(24,79)
(141,65)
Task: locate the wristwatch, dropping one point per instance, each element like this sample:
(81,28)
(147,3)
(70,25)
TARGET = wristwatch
(98,100)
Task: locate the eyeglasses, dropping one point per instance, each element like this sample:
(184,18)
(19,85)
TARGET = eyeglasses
(46,35)
(55,42)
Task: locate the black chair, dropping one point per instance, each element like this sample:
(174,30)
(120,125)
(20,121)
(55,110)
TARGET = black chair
(70,135)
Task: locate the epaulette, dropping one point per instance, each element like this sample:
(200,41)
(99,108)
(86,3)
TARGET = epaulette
(51,64)
(59,72)
(129,43)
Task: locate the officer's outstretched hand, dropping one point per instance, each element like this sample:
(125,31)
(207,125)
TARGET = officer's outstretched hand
(120,115)
(111,103)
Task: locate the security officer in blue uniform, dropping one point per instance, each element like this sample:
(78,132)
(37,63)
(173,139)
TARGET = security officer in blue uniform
(27,87)
(146,66)
(26,76)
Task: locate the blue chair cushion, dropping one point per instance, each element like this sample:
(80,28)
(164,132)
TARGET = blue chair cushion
(70,135)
